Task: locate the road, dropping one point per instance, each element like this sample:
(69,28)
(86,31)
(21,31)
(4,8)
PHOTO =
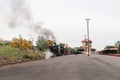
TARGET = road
(71,67)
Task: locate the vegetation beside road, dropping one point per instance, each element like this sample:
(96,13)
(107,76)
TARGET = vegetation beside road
(13,55)
(18,50)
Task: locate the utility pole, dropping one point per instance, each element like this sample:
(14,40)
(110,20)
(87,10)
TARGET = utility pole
(88,44)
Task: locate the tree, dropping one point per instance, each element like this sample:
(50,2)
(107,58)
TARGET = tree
(62,44)
(50,43)
(42,43)
(117,44)
(4,42)
(21,43)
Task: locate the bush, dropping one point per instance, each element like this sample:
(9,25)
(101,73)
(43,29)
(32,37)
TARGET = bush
(8,53)
(21,43)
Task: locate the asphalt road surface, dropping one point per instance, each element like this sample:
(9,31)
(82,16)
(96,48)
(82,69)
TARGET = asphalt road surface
(71,67)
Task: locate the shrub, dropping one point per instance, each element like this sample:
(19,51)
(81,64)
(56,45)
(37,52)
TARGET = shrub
(21,43)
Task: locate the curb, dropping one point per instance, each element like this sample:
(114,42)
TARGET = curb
(19,61)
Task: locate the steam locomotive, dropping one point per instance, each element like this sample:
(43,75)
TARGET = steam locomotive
(58,50)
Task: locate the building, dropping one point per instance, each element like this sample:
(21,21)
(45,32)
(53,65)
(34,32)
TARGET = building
(109,50)
(86,45)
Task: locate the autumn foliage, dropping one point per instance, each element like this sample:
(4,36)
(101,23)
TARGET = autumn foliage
(21,43)
(50,43)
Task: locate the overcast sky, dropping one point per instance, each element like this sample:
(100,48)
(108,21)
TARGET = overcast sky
(66,18)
